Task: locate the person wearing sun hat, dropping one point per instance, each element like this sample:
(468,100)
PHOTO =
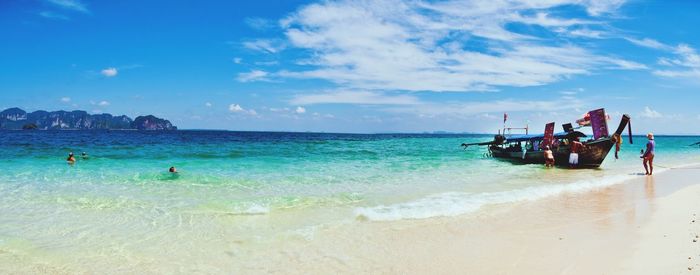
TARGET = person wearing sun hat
(648,156)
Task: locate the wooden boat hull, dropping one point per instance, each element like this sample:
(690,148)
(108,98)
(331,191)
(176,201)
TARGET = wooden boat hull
(591,156)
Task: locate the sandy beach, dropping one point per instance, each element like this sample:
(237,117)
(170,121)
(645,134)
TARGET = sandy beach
(643,226)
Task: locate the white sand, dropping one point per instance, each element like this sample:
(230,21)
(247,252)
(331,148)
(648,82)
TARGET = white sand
(639,227)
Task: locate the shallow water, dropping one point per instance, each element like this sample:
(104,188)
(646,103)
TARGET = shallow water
(239,189)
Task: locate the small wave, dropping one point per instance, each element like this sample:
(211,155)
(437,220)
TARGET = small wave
(255,209)
(456,203)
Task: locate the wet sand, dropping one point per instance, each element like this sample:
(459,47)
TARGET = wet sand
(643,226)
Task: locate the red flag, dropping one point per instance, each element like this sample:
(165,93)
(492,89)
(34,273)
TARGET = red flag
(505,117)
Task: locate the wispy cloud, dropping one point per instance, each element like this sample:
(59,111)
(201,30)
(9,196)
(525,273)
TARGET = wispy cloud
(686,63)
(259,23)
(75,5)
(300,110)
(649,43)
(103,103)
(587,33)
(354,97)
(429,46)
(65,99)
(109,72)
(254,75)
(265,45)
(53,15)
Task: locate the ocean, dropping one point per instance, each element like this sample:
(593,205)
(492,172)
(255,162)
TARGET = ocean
(247,188)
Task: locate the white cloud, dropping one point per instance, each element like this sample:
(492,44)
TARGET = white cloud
(649,43)
(254,75)
(685,64)
(400,45)
(587,33)
(237,60)
(235,108)
(103,103)
(109,72)
(208,104)
(75,5)
(300,110)
(65,99)
(53,15)
(265,45)
(354,97)
(649,113)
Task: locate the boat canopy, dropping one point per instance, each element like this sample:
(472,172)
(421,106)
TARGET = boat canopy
(560,135)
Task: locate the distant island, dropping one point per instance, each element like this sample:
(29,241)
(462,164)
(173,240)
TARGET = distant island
(18,119)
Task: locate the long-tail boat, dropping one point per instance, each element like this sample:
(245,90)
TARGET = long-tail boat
(528,149)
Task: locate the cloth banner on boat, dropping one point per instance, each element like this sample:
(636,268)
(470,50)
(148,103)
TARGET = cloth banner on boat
(599,123)
(548,134)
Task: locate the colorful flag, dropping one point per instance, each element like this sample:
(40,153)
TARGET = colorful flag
(599,123)
(548,134)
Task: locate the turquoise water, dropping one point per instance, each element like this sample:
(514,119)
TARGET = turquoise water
(247,187)
(261,172)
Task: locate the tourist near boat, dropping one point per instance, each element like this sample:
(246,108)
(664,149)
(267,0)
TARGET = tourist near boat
(528,149)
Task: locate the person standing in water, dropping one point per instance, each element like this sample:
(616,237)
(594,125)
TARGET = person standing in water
(648,155)
(84,155)
(71,158)
(576,146)
(172,170)
(548,157)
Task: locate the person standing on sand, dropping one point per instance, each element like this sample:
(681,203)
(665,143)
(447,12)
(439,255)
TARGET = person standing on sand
(648,156)
(576,146)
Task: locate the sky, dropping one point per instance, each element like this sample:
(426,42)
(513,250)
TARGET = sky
(357,66)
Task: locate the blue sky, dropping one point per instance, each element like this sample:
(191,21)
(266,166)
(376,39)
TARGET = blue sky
(356,66)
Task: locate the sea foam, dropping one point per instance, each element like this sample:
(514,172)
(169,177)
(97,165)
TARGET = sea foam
(457,203)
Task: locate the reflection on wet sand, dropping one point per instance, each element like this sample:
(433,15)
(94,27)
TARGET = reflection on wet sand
(649,188)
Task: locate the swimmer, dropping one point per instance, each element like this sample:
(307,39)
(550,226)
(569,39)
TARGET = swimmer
(84,155)
(172,169)
(71,158)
